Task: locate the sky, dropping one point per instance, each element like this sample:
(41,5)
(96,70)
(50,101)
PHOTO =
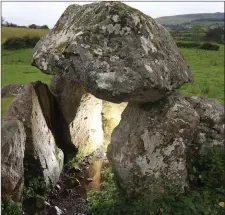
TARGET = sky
(41,13)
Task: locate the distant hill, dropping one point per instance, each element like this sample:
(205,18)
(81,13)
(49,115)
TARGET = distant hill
(202,18)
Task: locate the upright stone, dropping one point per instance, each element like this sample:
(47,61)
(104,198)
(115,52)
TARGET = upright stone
(111,116)
(35,108)
(12,153)
(82,112)
(148,147)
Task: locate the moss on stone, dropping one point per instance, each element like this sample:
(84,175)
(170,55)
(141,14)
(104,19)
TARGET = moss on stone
(62,46)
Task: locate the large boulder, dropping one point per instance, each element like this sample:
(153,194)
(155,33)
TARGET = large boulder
(116,52)
(82,112)
(35,107)
(12,153)
(210,132)
(148,147)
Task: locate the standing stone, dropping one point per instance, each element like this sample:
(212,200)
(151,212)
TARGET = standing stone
(35,108)
(44,143)
(116,52)
(12,153)
(82,112)
(148,147)
(111,116)
(86,128)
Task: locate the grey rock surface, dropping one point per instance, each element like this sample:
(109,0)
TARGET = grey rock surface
(11,90)
(82,112)
(55,211)
(210,132)
(116,52)
(13,138)
(44,143)
(86,128)
(111,116)
(34,107)
(148,147)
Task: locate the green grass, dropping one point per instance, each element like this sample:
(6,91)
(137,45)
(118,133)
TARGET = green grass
(9,207)
(208,70)
(11,57)
(16,68)
(22,73)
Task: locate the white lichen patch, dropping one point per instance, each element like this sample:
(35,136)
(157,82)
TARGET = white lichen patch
(98,51)
(44,65)
(115,18)
(176,107)
(148,68)
(56,57)
(116,29)
(104,80)
(136,19)
(125,31)
(114,58)
(149,32)
(147,45)
(85,46)
(202,137)
(78,34)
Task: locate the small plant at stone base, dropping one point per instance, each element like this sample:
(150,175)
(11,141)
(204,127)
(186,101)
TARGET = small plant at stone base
(74,160)
(35,186)
(202,199)
(9,207)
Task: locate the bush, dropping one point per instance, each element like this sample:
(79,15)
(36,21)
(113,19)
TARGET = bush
(9,207)
(188,45)
(43,27)
(205,46)
(215,34)
(32,26)
(210,46)
(20,42)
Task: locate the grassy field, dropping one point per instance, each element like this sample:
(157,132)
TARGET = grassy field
(16,65)
(208,70)
(20,32)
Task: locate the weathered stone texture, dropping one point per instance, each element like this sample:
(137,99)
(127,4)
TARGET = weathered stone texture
(116,52)
(148,147)
(210,132)
(12,153)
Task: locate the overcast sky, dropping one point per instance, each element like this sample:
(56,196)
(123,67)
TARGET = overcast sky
(40,13)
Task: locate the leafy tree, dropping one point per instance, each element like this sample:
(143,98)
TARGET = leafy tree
(33,26)
(3,21)
(44,27)
(215,34)
(197,32)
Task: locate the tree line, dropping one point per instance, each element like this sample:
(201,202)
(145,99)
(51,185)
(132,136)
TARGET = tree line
(32,26)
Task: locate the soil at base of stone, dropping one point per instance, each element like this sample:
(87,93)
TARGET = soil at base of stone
(70,193)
